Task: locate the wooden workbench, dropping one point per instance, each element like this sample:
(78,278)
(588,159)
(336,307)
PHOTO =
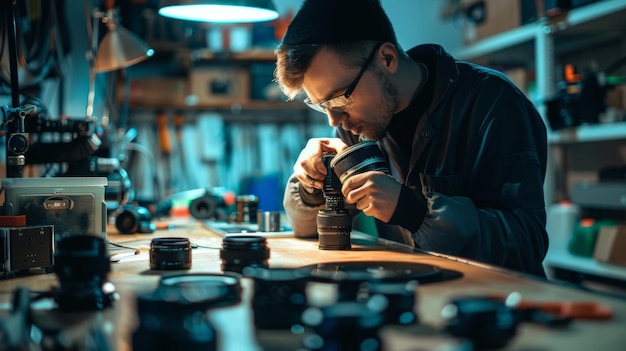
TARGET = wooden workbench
(132,276)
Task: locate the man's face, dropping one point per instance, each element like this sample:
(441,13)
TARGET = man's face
(374,98)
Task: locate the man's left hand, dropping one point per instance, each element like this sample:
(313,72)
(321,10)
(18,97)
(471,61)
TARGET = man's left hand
(375,193)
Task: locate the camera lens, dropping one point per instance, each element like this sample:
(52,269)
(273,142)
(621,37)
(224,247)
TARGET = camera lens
(489,324)
(170,253)
(240,251)
(134,220)
(172,322)
(82,266)
(343,326)
(334,230)
(359,158)
(210,290)
(203,207)
(18,143)
(279,296)
(396,299)
(334,222)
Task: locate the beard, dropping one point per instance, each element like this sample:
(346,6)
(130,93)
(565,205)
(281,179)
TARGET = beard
(377,128)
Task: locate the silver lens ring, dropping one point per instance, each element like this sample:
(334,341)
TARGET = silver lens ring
(360,167)
(352,149)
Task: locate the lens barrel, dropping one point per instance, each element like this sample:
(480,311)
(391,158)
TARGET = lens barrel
(334,230)
(82,266)
(240,251)
(359,158)
(334,221)
(170,253)
(279,296)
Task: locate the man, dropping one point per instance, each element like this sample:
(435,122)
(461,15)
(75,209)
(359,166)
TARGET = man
(466,147)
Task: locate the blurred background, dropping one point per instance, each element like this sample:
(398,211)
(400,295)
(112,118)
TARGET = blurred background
(201,112)
(161,106)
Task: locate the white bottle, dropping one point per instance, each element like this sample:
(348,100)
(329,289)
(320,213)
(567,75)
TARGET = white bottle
(561,221)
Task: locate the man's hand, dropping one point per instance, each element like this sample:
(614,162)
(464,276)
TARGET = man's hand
(375,193)
(309,168)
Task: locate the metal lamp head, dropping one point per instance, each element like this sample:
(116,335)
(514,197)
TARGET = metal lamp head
(119,48)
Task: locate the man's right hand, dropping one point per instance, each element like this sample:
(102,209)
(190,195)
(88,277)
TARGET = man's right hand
(309,168)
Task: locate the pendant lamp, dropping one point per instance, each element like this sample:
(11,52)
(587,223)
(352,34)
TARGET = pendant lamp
(220,11)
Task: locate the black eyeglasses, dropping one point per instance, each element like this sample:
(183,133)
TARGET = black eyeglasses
(344,101)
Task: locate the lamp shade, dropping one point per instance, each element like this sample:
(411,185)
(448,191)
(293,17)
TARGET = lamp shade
(220,11)
(120,48)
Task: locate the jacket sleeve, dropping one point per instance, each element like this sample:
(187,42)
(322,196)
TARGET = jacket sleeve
(302,215)
(301,207)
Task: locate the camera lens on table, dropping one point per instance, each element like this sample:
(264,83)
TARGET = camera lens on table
(334,221)
(488,323)
(172,322)
(82,266)
(170,253)
(343,326)
(175,315)
(206,289)
(134,219)
(240,251)
(279,296)
(396,300)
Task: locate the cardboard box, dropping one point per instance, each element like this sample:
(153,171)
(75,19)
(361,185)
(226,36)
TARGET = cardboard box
(521,77)
(158,91)
(611,245)
(484,18)
(220,84)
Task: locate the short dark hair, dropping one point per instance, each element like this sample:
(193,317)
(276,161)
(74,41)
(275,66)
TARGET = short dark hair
(328,21)
(349,28)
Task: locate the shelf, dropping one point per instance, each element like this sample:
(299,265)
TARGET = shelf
(589,133)
(586,265)
(597,22)
(604,195)
(602,14)
(256,112)
(252,55)
(224,106)
(503,46)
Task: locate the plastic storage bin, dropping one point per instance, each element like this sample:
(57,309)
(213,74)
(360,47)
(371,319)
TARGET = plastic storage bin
(73,205)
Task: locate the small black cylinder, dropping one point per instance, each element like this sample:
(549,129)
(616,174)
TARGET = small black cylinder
(279,297)
(344,326)
(172,323)
(81,263)
(334,230)
(240,251)
(170,253)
